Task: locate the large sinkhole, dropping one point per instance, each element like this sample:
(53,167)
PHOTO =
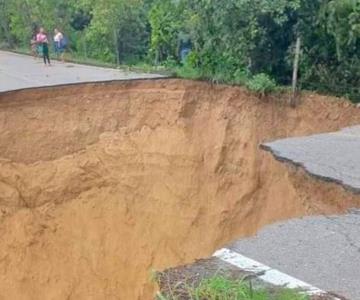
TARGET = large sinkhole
(102,183)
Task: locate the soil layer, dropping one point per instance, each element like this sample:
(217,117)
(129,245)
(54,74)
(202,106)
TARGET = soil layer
(100,183)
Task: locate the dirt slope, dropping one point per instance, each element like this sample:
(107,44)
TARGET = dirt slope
(101,183)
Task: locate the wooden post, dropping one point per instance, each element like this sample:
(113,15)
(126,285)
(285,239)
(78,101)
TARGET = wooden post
(157,57)
(116,47)
(295,72)
(85,45)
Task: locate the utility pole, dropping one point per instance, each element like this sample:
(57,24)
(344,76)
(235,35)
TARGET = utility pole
(295,72)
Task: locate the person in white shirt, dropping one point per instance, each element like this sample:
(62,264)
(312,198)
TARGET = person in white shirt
(59,44)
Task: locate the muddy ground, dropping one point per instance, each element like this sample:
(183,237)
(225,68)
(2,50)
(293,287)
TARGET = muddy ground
(100,183)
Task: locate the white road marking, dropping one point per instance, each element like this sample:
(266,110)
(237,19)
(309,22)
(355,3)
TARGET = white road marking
(266,273)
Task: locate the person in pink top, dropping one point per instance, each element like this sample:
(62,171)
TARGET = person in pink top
(42,40)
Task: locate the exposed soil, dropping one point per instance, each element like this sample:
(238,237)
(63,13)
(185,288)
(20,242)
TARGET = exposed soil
(100,183)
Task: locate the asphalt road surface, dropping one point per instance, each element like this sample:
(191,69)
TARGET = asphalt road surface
(323,251)
(331,156)
(21,71)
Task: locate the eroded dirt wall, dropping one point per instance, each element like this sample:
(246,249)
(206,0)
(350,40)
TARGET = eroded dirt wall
(99,184)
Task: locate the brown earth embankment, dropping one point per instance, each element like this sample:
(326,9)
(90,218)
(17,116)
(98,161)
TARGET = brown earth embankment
(100,183)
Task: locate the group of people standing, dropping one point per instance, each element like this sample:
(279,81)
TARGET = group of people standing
(40,45)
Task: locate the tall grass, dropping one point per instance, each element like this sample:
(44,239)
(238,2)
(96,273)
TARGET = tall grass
(222,288)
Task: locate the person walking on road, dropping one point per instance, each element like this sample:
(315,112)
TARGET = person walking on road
(42,40)
(60,44)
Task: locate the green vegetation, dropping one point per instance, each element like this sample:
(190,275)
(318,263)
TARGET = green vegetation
(261,84)
(222,288)
(231,41)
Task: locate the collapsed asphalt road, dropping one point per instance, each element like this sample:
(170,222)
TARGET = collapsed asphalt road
(322,250)
(91,173)
(325,249)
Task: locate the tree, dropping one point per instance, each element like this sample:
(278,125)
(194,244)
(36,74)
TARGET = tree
(117,30)
(5,30)
(165,19)
(331,47)
(232,40)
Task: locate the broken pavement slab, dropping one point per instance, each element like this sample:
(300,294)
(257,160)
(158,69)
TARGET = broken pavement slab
(331,156)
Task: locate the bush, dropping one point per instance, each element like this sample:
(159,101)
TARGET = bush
(4,45)
(188,72)
(240,77)
(261,84)
(189,69)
